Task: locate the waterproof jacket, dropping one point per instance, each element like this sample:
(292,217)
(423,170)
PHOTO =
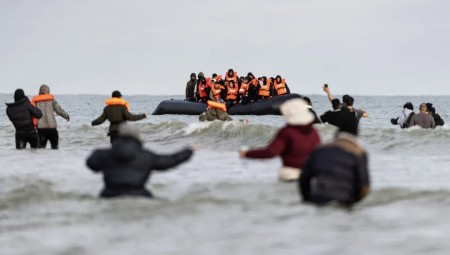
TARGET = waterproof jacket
(116,114)
(127,166)
(48,107)
(215,114)
(21,114)
(293,144)
(190,89)
(336,172)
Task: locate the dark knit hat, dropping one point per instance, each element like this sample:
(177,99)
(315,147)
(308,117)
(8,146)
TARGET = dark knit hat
(19,94)
(116,93)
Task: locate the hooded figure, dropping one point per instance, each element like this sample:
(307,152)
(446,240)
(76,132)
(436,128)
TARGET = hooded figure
(190,88)
(127,166)
(21,114)
(46,126)
(293,143)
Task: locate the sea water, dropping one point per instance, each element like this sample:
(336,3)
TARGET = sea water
(216,203)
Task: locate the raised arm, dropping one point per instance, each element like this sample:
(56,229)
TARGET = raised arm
(327,90)
(273,149)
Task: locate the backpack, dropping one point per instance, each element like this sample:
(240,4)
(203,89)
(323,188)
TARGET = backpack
(406,124)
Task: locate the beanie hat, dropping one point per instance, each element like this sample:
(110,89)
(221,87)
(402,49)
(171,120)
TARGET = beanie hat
(19,94)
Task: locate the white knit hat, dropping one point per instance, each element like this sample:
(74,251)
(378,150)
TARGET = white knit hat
(297,112)
(129,129)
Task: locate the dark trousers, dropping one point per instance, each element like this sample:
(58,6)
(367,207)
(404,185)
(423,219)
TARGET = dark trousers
(22,138)
(113,136)
(48,134)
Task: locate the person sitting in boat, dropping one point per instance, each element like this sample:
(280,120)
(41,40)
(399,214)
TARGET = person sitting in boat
(280,86)
(216,110)
(405,116)
(231,76)
(293,143)
(244,91)
(252,88)
(217,77)
(265,89)
(190,88)
(217,91)
(232,94)
(202,89)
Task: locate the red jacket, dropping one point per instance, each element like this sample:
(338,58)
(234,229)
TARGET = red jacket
(293,143)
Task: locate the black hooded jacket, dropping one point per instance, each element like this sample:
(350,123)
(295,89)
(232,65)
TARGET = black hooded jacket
(21,114)
(127,166)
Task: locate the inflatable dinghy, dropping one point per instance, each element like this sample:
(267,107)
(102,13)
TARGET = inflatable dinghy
(265,107)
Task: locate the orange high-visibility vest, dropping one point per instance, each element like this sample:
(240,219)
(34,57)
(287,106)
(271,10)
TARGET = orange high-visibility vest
(40,98)
(117,101)
(216,92)
(228,78)
(216,105)
(265,89)
(244,89)
(232,93)
(280,87)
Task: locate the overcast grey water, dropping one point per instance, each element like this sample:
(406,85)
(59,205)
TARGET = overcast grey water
(217,203)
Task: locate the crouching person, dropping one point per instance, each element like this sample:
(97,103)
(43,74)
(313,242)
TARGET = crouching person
(336,172)
(217,110)
(126,166)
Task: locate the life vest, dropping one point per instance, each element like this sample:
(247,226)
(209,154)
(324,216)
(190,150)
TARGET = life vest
(232,93)
(216,92)
(202,88)
(244,89)
(234,78)
(40,98)
(264,90)
(117,101)
(218,77)
(254,82)
(216,105)
(280,87)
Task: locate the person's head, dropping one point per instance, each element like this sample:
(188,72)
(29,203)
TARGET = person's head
(200,75)
(214,75)
(216,85)
(251,76)
(345,98)
(227,83)
(278,79)
(44,89)
(117,94)
(213,82)
(193,76)
(429,105)
(230,72)
(19,94)
(129,130)
(431,110)
(408,105)
(336,104)
(231,83)
(423,107)
(350,101)
(297,112)
(242,78)
(307,100)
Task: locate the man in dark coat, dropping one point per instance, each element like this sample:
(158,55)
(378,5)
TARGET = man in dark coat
(21,114)
(127,166)
(116,112)
(190,88)
(336,172)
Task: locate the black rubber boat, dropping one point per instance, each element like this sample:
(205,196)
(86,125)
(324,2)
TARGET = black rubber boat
(266,107)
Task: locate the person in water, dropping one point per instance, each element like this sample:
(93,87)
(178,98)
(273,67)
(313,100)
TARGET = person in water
(117,111)
(308,101)
(438,121)
(405,116)
(21,114)
(127,166)
(423,119)
(231,76)
(293,143)
(190,88)
(347,101)
(336,172)
(216,110)
(280,86)
(340,117)
(46,126)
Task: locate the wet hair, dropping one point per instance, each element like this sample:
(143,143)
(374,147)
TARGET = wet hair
(116,93)
(409,106)
(350,101)
(336,104)
(307,100)
(19,94)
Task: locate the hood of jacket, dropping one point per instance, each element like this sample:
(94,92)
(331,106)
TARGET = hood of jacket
(126,148)
(44,89)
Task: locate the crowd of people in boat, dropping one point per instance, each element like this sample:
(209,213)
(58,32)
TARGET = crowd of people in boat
(425,118)
(233,89)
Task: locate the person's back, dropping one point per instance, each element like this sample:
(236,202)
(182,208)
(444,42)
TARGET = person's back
(127,166)
(422,119)
(343,177)
(190,88)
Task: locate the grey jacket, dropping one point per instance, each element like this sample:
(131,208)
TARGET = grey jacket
(424,120)
(48,108)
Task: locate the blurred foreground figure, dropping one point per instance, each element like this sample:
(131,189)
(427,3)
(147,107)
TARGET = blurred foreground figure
(21,114)
(293,143)
(127,166)
(336,172)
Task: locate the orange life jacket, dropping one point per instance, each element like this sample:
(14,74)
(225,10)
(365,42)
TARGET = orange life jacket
(234,78)
(232,93)
(216,105)
(264,90)
(216,92)
(244,89)
(218,77)
(280,87)
(117,101)
(202,89)
(40,98)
